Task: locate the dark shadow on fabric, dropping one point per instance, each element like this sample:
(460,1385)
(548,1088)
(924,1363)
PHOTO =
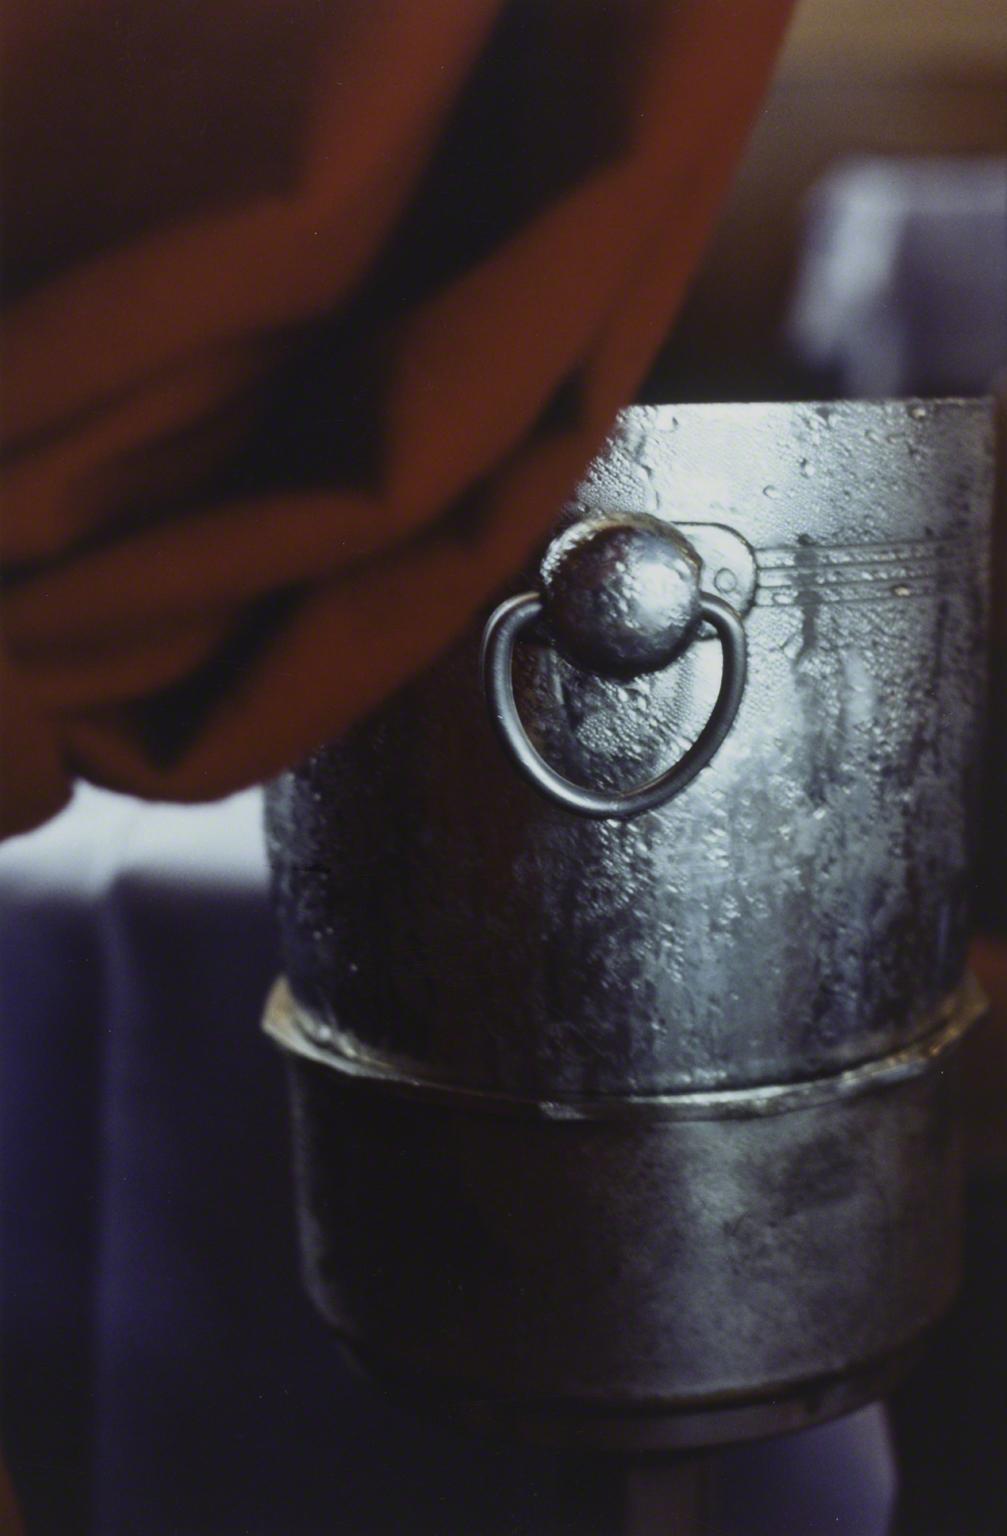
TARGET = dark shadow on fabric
(168,722)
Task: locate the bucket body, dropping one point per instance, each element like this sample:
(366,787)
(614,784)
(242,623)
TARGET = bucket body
(640,1127)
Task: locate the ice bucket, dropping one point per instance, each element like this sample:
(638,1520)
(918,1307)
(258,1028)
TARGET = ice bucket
(625,948)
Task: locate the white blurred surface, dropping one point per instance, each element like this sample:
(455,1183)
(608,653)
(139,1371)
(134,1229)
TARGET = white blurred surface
(902,284)
(100,836)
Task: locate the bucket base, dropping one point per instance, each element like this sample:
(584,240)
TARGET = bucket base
(637,1275)
(641,1430)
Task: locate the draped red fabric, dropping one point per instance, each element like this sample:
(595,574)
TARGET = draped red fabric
(313,314)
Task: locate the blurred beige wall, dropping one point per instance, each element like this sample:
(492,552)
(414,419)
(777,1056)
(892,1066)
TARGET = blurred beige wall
(897,35)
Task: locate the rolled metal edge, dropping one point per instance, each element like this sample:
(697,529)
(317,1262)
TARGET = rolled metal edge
(289,1027)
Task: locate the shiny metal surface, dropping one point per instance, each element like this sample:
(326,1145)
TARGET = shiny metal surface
(527,613)
(632,1282)
(622,593)
(285,1024)
(797,918)
(802,908)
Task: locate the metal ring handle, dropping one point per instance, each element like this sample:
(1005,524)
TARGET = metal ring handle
(502,633)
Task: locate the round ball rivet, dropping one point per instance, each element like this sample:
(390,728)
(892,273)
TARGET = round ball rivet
(621,594)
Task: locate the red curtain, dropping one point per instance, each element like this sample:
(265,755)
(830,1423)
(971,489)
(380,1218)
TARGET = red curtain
(313,315)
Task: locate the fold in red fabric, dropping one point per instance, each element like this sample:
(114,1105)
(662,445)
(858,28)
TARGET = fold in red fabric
(313,315)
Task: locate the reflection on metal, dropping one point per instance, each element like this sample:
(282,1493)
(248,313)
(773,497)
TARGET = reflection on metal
(964,1006)
(504,629)
(640,1130)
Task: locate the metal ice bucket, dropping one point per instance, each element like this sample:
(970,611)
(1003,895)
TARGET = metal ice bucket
(621,1015)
